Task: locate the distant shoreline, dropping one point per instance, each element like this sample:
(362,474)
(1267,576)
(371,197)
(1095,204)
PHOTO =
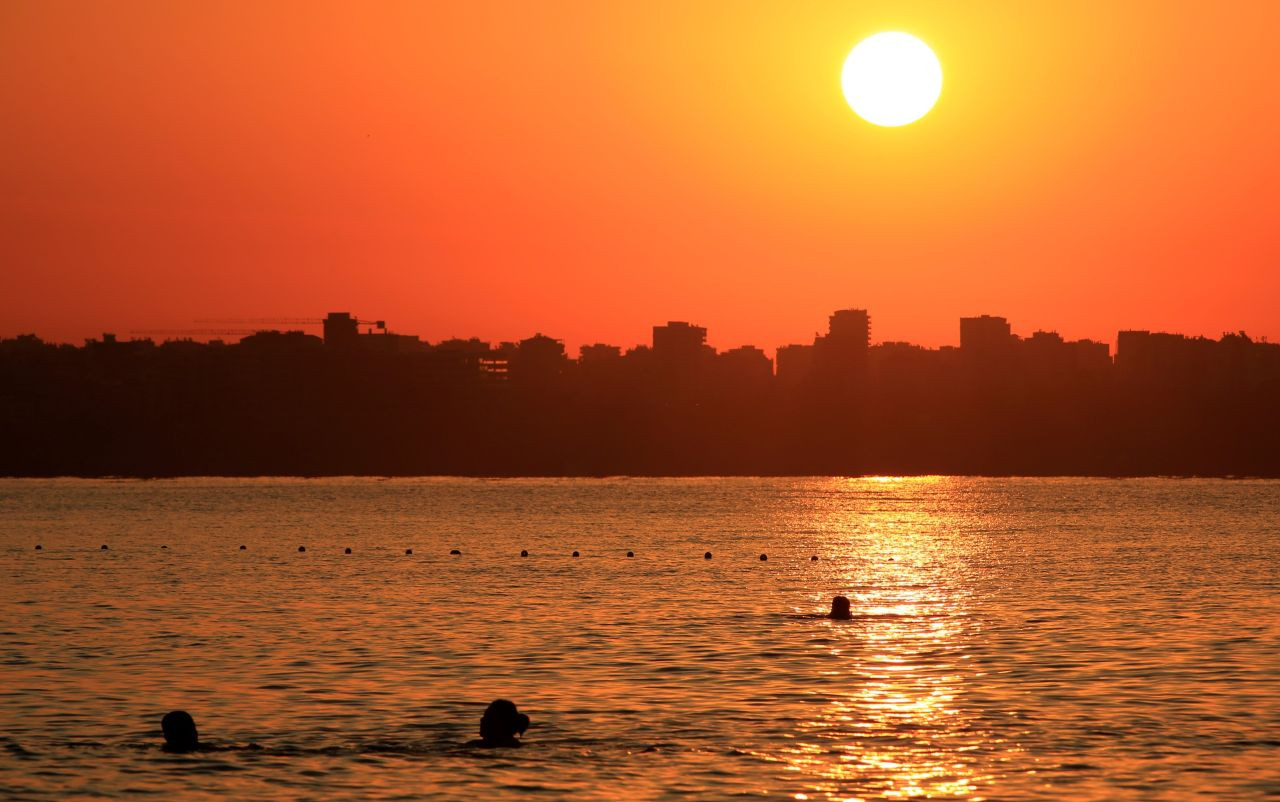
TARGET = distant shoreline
(281,404)
(603,476)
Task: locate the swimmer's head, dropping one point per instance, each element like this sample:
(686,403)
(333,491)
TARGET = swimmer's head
(840,608)
(179,732)
(502,722)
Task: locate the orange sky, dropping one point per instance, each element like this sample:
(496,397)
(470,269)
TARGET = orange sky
(587,169)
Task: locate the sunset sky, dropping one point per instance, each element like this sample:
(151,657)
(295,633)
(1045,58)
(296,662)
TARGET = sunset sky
(587,169)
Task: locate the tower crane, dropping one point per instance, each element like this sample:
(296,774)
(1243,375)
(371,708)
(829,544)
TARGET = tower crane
(260,324)
(289,321)
(197,333)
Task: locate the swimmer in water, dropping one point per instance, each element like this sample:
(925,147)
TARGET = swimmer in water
(180,736)
(840,609)
(179,732)
(500,725)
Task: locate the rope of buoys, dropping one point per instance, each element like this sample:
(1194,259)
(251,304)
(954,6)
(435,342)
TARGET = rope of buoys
(764,557)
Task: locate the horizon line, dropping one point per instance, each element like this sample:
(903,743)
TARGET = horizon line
(298,324)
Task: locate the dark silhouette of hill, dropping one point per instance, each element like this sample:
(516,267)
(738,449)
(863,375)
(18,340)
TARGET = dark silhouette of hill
(288,403)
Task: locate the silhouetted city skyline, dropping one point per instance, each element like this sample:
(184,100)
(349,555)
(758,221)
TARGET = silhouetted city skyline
(360,398)
(984,332)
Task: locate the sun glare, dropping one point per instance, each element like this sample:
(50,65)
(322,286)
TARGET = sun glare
(891,79)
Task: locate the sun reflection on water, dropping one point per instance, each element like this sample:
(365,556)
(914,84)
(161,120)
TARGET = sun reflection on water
(897,726)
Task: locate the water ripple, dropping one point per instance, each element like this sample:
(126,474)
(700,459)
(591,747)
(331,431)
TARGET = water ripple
(1012,639)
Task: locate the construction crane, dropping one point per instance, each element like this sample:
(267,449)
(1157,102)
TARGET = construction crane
(261,324)
(196,332)
(290,321)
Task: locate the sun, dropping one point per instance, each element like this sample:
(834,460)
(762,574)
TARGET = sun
(891,79)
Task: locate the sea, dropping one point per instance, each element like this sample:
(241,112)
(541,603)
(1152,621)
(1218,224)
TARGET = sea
(1083,639)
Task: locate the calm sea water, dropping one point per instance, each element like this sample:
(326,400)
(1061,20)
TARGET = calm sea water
(1013,639)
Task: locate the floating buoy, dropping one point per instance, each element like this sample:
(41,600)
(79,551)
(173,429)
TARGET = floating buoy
(813,559)
(408,551)
(243,547)
(631,554)
(454,551)
(302,549)
(164,547)
(39,547)
(764,557)
(575,554)
(348,551)
(104,546)
(524,552)
(707,556)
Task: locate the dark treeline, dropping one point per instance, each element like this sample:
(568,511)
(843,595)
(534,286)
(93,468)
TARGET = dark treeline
(355,403)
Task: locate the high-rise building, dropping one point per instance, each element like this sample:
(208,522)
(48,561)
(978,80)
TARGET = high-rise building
(341,330)
(678,341)
(849,329)
(840,356)
(538,357)
(598,353)
(795,365)
(745,365)
(985,336)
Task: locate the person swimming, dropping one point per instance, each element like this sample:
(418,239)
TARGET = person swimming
(179,732)
(840,609)
(500,725)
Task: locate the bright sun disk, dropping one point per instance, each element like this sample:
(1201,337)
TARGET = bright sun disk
(891,79)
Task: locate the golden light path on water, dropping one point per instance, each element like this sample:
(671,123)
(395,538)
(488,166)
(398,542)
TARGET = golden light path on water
(903,731)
